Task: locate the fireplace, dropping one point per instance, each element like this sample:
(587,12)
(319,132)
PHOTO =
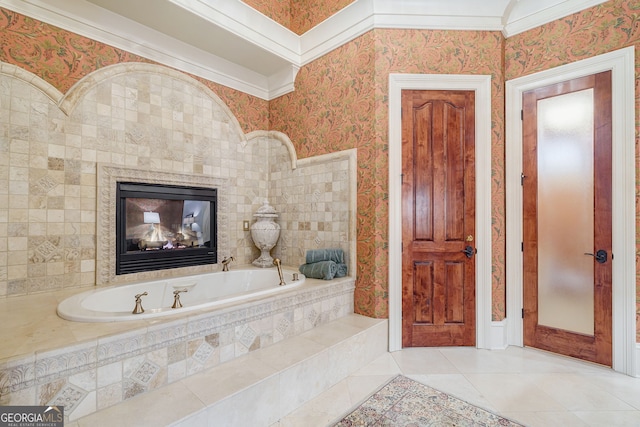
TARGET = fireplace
(164,226)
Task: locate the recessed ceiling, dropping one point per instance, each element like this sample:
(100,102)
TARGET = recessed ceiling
(232,44)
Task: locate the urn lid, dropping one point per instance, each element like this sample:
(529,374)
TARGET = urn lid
(266,211)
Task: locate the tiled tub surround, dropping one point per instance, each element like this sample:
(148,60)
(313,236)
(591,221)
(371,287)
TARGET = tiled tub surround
(158,124)
(94,372)
(149,121)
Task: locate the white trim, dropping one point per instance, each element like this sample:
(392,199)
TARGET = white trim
(520,24)
(621,63)
(114,30)
(273,54)
(481,84)
(499,335)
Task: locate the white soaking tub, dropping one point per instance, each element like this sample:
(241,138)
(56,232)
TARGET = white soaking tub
(116,303)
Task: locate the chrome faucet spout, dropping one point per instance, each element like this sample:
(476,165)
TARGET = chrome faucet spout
(138,308)
(278,265)
(176,298)
(225,263)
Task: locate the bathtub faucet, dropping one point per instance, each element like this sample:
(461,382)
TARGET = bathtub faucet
(226,262)
(278,265)
(176,298)
(138,308)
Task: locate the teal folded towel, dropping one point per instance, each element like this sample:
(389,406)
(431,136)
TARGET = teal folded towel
(342,270)
(320,270)
(316,255)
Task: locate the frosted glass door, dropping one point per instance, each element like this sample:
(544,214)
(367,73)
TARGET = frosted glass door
(565,212)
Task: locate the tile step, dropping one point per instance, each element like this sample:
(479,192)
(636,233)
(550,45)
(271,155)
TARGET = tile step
(260,387)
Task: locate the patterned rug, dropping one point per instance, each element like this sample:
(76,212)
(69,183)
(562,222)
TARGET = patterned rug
(403,402)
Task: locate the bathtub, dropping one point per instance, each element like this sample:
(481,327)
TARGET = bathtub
(116,303)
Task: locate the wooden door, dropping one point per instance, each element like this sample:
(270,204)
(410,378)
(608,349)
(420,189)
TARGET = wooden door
(438,218)
(567,225)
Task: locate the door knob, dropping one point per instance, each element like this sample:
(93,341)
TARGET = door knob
(600,256)
(469,251)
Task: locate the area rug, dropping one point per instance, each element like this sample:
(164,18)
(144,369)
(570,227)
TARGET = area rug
(403,402)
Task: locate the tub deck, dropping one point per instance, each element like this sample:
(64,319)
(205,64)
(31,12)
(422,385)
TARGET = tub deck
(45,359)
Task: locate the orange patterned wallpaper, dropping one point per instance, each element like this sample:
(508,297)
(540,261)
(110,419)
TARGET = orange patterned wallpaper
(61,58)
(277,10)
(298,15)
(332,109)
(605,28)
(306,14)
(454,52)
(340,102)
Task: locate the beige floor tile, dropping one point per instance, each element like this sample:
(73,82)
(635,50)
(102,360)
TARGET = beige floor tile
(576,393)
(420,361)
(610,418)
(383,365)
(546,419)
(509,392)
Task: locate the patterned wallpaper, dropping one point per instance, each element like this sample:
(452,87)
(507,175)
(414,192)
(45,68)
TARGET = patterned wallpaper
(277,10)
(605,28)
(306,14)
(340,102)
(332,109)
(298,15)
(61,58)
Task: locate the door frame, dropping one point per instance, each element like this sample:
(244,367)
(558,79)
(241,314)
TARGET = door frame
(621,63)
(481,84)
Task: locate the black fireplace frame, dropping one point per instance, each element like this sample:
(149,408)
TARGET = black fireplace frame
(139,261)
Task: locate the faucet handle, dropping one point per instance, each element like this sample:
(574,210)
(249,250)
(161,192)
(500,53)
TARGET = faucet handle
(139,296)
(225,263)
(177,291)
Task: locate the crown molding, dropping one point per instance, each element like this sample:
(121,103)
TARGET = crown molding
(110,28)
(514,24)
(242,20)
(261,57)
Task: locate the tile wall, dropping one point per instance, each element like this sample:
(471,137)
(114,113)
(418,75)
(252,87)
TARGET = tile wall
(149,118)
(149,121)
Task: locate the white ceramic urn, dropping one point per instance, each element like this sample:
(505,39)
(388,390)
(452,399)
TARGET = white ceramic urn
(265,233)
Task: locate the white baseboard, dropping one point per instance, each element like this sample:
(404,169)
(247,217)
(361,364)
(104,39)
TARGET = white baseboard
(498,339)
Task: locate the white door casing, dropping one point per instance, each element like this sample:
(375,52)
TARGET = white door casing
(621,63)
(481,84)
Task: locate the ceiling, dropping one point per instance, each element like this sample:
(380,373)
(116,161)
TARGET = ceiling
(230,43)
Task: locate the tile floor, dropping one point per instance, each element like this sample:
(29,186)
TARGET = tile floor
(529,386)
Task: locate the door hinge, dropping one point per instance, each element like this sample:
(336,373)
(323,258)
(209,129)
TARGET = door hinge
(401,247)
(401,178)
(523,313)
(521,114)
(522,177)
(521,246)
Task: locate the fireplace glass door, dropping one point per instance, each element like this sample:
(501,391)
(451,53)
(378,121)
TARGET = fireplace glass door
(162,227)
